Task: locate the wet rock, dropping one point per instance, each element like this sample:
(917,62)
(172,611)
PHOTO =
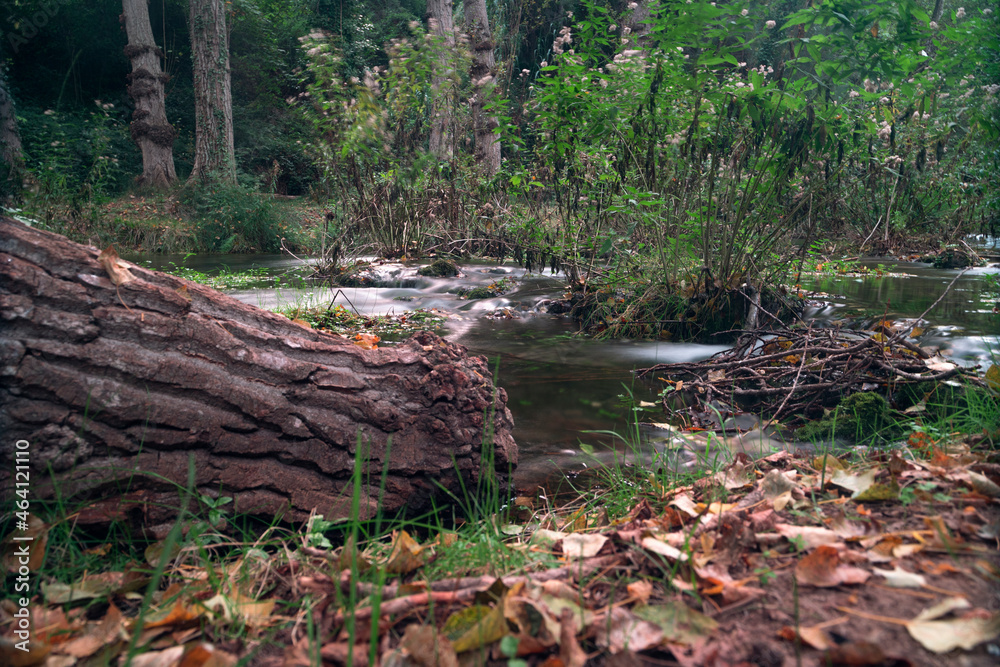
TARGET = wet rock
(441,268)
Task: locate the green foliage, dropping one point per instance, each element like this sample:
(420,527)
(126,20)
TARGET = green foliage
(234,219)
(861,417)
(74,158)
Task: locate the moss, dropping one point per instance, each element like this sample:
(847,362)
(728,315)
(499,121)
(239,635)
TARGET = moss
(442,268)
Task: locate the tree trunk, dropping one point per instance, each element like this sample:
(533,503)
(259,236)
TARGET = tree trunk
(483,76)
(213,100)
(442,25)
(150,129)
(12,167)
(115,388)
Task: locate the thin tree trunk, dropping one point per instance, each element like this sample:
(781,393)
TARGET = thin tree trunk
(938,10)
(150,129)
(213,100)
(10,142)
(483,75)
(442,25)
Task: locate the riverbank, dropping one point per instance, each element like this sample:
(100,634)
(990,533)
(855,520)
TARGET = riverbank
(884,558)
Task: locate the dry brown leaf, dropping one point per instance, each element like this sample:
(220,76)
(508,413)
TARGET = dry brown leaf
(569,648)
(811,536)
(663,549)
(640,590)
(117,269)
(30,541)
(406,555)
(12,654)
(98,635)
(203,654)
(427,647)
(941,636)
(583,545)
(624,630)
(814,636)
(822,568)
(166,658)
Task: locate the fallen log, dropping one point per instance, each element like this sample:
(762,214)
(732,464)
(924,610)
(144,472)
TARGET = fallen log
(114,383)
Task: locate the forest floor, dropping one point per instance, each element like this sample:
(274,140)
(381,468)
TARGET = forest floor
(789,560)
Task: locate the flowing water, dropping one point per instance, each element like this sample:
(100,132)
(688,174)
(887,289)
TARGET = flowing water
(567,391)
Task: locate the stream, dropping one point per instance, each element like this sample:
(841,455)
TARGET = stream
(568,392)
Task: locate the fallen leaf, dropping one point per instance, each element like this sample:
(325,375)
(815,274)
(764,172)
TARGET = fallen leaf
(117,269)
(941,636)
(938,364)
(546,539)
(203,654)
(679,623)
(624,630)
(366,341)
(13,656)
(984,485)
(858,484)
(822,569)
(37,535)
(490,626)
(583,545)
(426,646)
(98,635)
(405,556)
(811,536)
(813,636)
(663,549)
(640,590)
(168,658)
(569,648)
(900,578)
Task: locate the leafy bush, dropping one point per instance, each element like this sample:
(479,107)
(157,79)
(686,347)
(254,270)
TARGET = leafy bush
(234,219)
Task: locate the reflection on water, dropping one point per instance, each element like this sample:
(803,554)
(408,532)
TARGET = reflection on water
(565,389)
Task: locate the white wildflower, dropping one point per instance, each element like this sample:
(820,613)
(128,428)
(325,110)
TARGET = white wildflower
(870,86)
(613,27)
(744,12)
(853,94)
(633,5)
(934,25)
(960,14)
(770,24)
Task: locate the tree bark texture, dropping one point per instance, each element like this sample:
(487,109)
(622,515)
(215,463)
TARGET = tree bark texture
(10,140)
(442,26)
(150,129)
(214,157)
(115,388)
(483,75)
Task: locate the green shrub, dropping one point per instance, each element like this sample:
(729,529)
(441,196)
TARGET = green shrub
(234,219)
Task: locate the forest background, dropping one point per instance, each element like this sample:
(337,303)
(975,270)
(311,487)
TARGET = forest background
(677,144)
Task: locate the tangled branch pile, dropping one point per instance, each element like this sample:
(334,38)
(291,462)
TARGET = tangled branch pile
(799,371)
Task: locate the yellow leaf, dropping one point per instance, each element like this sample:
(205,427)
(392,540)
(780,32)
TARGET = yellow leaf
(405,556)
(475,627)
(993,376)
